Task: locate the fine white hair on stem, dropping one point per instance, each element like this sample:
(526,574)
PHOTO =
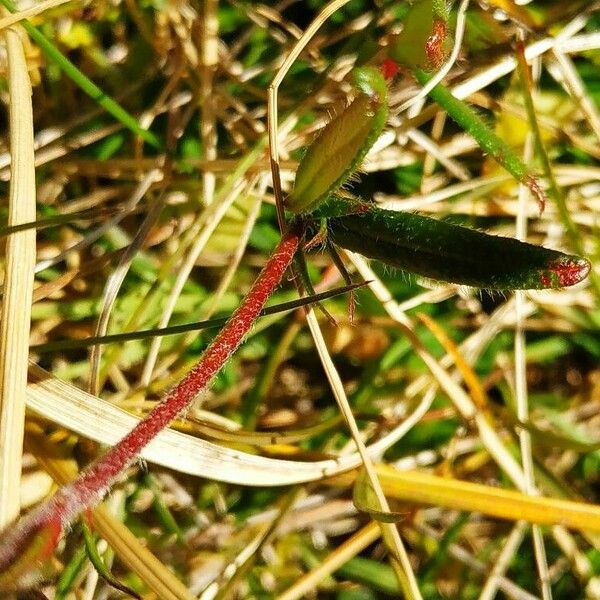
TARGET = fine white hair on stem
(444,70)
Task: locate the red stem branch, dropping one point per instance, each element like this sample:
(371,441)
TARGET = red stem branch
(93,483)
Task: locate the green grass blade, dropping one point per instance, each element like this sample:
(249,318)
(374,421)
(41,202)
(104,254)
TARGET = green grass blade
(175,329)
(84,82)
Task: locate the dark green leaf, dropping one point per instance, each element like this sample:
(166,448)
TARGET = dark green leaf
(446,252)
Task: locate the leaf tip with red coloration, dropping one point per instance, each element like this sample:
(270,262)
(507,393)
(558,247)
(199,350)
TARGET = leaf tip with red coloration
(565,272)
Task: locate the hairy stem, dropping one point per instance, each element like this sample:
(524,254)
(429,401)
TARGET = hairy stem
(48,520)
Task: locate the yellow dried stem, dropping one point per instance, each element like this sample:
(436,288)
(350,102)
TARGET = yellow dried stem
(422,488)
(334,560)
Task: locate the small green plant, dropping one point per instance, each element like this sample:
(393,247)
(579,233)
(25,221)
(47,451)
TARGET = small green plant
(316,207)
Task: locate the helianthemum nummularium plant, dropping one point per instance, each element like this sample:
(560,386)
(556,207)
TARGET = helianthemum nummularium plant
(319,206)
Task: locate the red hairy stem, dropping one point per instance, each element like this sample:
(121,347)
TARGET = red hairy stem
(93,483)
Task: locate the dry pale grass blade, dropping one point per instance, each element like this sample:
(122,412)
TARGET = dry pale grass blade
(37,9)
(571,80)
(103,422)
(114,282)
(508,63)
(453,167)
(399,558)
(127,547)
(99,231)
(139,559)
(422,200)
(342,554)
(237,256)
(18,281)
(509,549)
(581,43)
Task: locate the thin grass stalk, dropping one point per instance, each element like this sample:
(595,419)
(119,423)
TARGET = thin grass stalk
(342,554)
(580,562)
(209,59)
(574,85)
(508,63)
(521,393)
(91,236)
(399,557)
(274,310)
(114,282)
(423,488)
(18,281)
(502,563)
(258,544)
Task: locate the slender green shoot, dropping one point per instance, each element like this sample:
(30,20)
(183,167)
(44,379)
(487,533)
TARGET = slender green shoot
(472,123)
(555,191)
(60,345)
(99,564)
(84,82)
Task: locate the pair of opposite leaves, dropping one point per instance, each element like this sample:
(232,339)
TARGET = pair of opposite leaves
(415,243)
